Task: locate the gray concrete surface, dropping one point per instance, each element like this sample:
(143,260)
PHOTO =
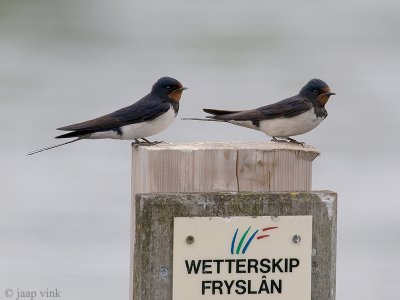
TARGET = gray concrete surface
(154,232)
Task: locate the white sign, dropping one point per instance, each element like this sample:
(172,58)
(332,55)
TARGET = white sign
(242,258)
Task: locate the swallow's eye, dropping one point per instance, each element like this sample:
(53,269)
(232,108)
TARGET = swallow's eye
(168,87)
(316,92)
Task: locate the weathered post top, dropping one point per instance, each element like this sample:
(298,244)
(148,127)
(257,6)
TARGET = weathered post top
(219,167)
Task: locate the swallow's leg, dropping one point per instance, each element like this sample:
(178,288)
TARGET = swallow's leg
(136,142)
(149,143)
(274,139)
(156,143)
(144,142)
(294,141)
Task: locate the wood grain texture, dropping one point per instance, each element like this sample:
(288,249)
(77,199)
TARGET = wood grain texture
(154,233)
(219,167)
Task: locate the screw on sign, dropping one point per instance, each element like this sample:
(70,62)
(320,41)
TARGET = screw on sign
(296,239)
(190,239)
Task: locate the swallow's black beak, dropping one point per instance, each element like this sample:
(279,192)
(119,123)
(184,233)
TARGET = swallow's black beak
(329,94)
(180,89)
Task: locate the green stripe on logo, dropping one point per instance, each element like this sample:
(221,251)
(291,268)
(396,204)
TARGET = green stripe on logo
(242,240)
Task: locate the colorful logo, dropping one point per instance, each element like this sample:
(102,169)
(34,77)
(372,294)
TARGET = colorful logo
(251,238)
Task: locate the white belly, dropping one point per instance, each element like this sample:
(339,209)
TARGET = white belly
(286,127)
(139,130)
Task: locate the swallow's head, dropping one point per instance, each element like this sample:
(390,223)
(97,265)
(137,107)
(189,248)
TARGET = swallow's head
(170,87)
(317,89)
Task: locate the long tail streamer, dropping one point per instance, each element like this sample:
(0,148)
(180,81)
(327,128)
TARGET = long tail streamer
(51,147)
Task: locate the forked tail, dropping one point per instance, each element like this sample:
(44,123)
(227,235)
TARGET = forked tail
(51,147)
(215,113)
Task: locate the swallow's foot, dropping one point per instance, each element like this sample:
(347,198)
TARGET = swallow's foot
(274,139)
(145,142)
(138,143)
(293,141)
(149,143)
(154,143)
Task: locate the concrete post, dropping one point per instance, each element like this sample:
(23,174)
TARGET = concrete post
(198,180)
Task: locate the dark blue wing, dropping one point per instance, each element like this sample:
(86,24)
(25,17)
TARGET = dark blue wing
(289,107)
(146,109)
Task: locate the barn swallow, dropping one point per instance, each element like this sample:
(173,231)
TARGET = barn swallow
(148,116)
(290,117)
